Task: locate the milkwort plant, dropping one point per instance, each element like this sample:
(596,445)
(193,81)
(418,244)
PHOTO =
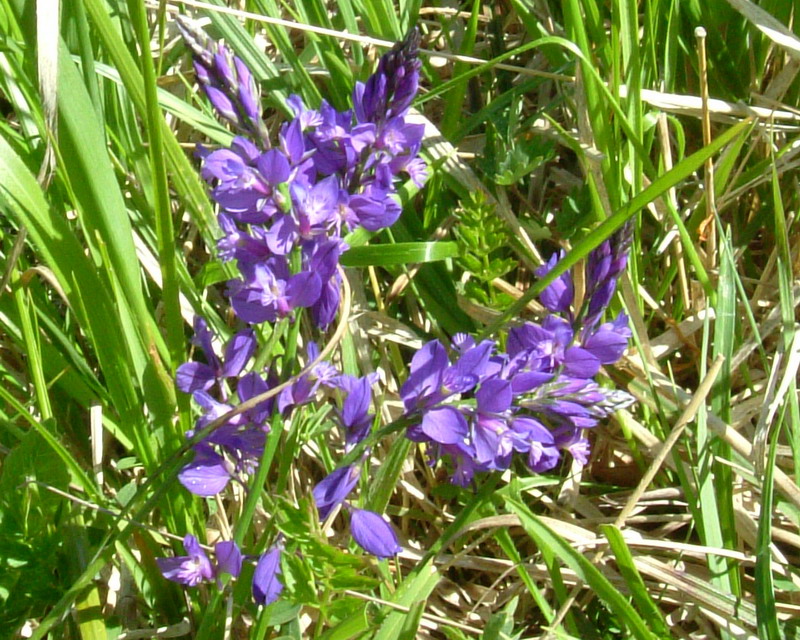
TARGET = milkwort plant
(283,211)
(284,207)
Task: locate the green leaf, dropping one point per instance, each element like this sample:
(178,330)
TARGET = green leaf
(385,255)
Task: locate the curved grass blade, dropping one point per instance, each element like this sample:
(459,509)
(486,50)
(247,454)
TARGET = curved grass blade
(627,567)
(545,538)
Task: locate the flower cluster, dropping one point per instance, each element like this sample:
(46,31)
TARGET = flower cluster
(284,210)
(196,567)
(538,396)
(285,207)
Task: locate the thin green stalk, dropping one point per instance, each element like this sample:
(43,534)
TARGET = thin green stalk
(165,232)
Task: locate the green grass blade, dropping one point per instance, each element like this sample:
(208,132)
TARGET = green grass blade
(616,602)
(583,247)
(633,579)
(399,253)
(766,611)
(22,197)
(163,210)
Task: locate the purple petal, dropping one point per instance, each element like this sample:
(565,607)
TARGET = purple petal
(580,363)
(332,490)
(558,295)
(373,534)
(444,425)
(221,103)
(529,380)
(266,586)
(486,441)
(303,289)
(494,396)
(292,141)
(238,352)
(282,235)
(229,558)
(274,166)
(249,386)
(193,376)
(324,309)
(206,475)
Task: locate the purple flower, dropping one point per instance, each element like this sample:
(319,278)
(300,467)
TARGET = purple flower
(355,415)
(194,376)
(229,558)
(249,386)
(433,379)
(373,534)
(388,92)
(240,189)
(559,294)
(207,475)
(315,207)
(269,292)
(266,585)
(226,80)
(603,267)
(333,490)
(375,208)
(191,569)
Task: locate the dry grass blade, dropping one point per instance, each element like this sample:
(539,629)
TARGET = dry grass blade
(363,40)
(769,26)
(721,110)
(47,35)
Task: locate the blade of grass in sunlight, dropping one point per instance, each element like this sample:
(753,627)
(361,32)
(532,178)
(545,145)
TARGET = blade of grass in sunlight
(633,580)
(164,227)
(545,538)
(399,253)
(455,97)
(724,344)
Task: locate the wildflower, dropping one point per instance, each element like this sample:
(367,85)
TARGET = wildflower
(389,91)
(333,490)
(373,534)
(266,585)
(191,569)
(229,558)
(270,292)
(226,81)
(354,415)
